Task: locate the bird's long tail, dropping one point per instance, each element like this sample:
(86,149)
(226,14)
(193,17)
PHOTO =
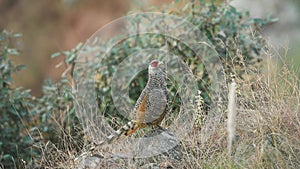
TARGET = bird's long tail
(125,130)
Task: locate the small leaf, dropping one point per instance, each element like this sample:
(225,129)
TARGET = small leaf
(79,46)
(71,58)
(20,67)
(7,156)
(66,53)
(55,54)
(247,13)
(17,35)
(185,7)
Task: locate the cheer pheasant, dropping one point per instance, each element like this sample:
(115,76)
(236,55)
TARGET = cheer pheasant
(151,106)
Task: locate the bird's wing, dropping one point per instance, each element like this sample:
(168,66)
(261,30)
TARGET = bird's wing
(141,106)
(156,106)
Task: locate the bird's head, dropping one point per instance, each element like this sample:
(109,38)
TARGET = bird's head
(156,67)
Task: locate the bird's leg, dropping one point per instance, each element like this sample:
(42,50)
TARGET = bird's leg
(161,128)
(158,127)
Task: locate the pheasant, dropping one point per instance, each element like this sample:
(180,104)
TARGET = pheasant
(151,106)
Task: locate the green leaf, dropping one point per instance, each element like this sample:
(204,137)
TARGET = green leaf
(66,53)
(55,54)
(7,157)
(185,7)
(17,35)
(71,58)
(8,80)
(20,67)
(2,37)
(79,46)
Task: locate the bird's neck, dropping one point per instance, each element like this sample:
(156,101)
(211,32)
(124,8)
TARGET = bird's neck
(156,81)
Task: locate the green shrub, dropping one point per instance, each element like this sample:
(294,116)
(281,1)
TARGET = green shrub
(15,103)
(28,123)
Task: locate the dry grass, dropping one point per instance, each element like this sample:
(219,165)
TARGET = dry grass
(264,130)
(267,124)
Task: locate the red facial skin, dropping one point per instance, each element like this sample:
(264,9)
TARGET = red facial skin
(154,63)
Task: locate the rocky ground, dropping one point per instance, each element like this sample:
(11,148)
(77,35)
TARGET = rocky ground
(102,157)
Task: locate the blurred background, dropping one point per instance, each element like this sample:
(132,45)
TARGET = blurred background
(52,26)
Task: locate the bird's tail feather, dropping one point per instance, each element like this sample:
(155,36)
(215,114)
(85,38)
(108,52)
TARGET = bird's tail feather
(125,130)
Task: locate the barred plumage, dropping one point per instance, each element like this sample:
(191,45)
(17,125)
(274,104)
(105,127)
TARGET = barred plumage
(151,106)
